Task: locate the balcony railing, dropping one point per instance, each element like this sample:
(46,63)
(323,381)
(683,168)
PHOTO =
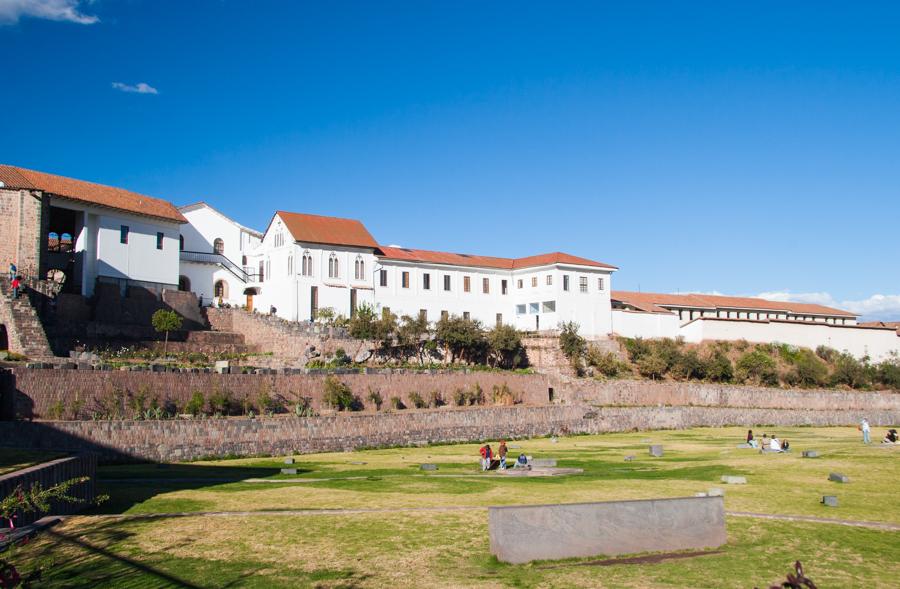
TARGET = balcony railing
(218,259)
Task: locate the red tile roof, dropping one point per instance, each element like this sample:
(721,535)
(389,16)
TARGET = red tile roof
(89,192)
(470,260)
(327,230)
(653,303)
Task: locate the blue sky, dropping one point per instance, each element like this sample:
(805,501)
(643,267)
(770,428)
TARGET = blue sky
(699,147)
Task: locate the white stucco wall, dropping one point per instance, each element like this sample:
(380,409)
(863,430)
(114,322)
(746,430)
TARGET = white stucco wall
(645,325)
(878,344)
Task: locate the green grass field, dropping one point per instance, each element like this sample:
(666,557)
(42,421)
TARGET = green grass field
(409,528)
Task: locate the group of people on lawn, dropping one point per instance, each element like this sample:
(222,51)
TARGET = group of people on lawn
(488,456)
(770,444)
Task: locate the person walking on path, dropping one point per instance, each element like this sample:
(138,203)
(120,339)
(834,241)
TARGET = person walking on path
(486,457)
(501,452)
(12,271)
(16,285)
(864,428)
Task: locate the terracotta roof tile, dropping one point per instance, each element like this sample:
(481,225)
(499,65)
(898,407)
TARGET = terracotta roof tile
(327,230)
(475,261)
(89,192)
(652,302)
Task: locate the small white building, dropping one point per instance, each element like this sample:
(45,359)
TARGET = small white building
(91,232)
(214,255)
(310,262)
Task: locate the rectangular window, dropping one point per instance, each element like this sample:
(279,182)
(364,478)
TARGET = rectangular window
(519,283)
(382,278)
(290,266)
(466,315)
(534,307)
(445,315)
(582,283)
(262,275)
(423,315)
(520,309)
(548,307)
(565,282)
(600,283)
(503,287)
(123,234)
(159,240)
(485,285)
(467,284)
(499,319)
(446,282)
(404,279)
(549,279)
(533,281)
(426,281)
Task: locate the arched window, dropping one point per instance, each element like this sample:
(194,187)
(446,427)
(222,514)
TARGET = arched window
(333,266)
(218,246)
(53,241)
(359,268)
(220,289)
(290,265)
(184,283)
(65,242)
(181,243)
(307,264)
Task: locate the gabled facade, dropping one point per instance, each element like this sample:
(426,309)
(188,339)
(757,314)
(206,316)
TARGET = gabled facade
(214,255)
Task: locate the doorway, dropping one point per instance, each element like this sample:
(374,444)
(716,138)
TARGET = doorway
(537,322)
(313,302)
(249,302)
(352,303)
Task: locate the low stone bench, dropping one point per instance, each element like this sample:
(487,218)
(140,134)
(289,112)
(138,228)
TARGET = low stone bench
(838,477)
(428,467)
(523,533)
(830,501)
(810,453)
(656,450)
(734,480)
(543,463)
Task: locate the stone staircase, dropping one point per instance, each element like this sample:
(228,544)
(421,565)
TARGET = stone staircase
(24,329)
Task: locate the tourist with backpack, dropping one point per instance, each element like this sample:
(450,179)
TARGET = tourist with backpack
(501,452)
(16,285)
(486,456)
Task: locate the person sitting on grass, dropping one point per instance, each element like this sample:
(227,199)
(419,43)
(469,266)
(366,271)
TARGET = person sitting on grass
(785,445)
(775,444)
(751,440)
(522,461)
(890,437)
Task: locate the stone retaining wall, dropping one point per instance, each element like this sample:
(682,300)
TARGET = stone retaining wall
(174,440)
(49,474)
(39,393)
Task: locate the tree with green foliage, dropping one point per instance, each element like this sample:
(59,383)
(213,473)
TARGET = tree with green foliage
(719,367)
(573,346)
(339,396)
(505,347)
(461,338)
(164,320)
(807,369)
(412,334)
(757,367)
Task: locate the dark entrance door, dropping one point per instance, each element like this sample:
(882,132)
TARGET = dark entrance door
(352,303)
(313,302)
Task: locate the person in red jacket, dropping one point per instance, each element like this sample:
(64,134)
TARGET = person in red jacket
(486,457)
(16,285)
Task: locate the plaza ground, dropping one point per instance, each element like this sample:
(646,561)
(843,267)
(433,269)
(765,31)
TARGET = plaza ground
(373,519)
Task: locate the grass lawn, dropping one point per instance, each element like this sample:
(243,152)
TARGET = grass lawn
(11,459)
(449,547)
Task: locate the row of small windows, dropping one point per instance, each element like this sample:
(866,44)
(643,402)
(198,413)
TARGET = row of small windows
(532,308)
(485,282)
(423,315)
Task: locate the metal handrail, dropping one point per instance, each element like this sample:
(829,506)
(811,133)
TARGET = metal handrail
(214,258)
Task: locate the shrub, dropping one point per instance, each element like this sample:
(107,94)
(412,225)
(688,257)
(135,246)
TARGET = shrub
(888,373)
(265,403)
(195,404)
(636,347)
(338,395)
(164,320)
(435,399)
(376,399)
(397,403)
(56,410)
(652,366)
(573,346)
(505,346)
(826,353)
(808,370)
(719,367)
(221,402)
(503,395)
(341,358)
(850,372)
(606,363)
(756,367)
(417,400)
(476,395)
(689,365)
(463,338)
(459,397)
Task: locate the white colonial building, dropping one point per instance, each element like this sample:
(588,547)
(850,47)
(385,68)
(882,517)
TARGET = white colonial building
(214,255)
(305,263)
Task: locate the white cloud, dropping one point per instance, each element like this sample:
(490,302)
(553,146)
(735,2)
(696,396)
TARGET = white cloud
(139,88)
(61,10)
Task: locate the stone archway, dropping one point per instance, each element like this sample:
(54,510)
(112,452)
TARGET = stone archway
(184,284)
(4,338)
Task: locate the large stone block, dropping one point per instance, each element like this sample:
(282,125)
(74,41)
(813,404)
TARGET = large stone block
(656,450)
(838,477)
(544,463)
(810,454)
(520,534)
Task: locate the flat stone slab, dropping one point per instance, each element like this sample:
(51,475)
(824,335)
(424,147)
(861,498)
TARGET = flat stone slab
(629,458)
(523,533)
(288,471)
(656,450)
(810,453)
(838,477)
(830,501)
(428,467)
(289,461)
(744,446)
(543,463)
(733,480)
(716,492)
(539,472)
